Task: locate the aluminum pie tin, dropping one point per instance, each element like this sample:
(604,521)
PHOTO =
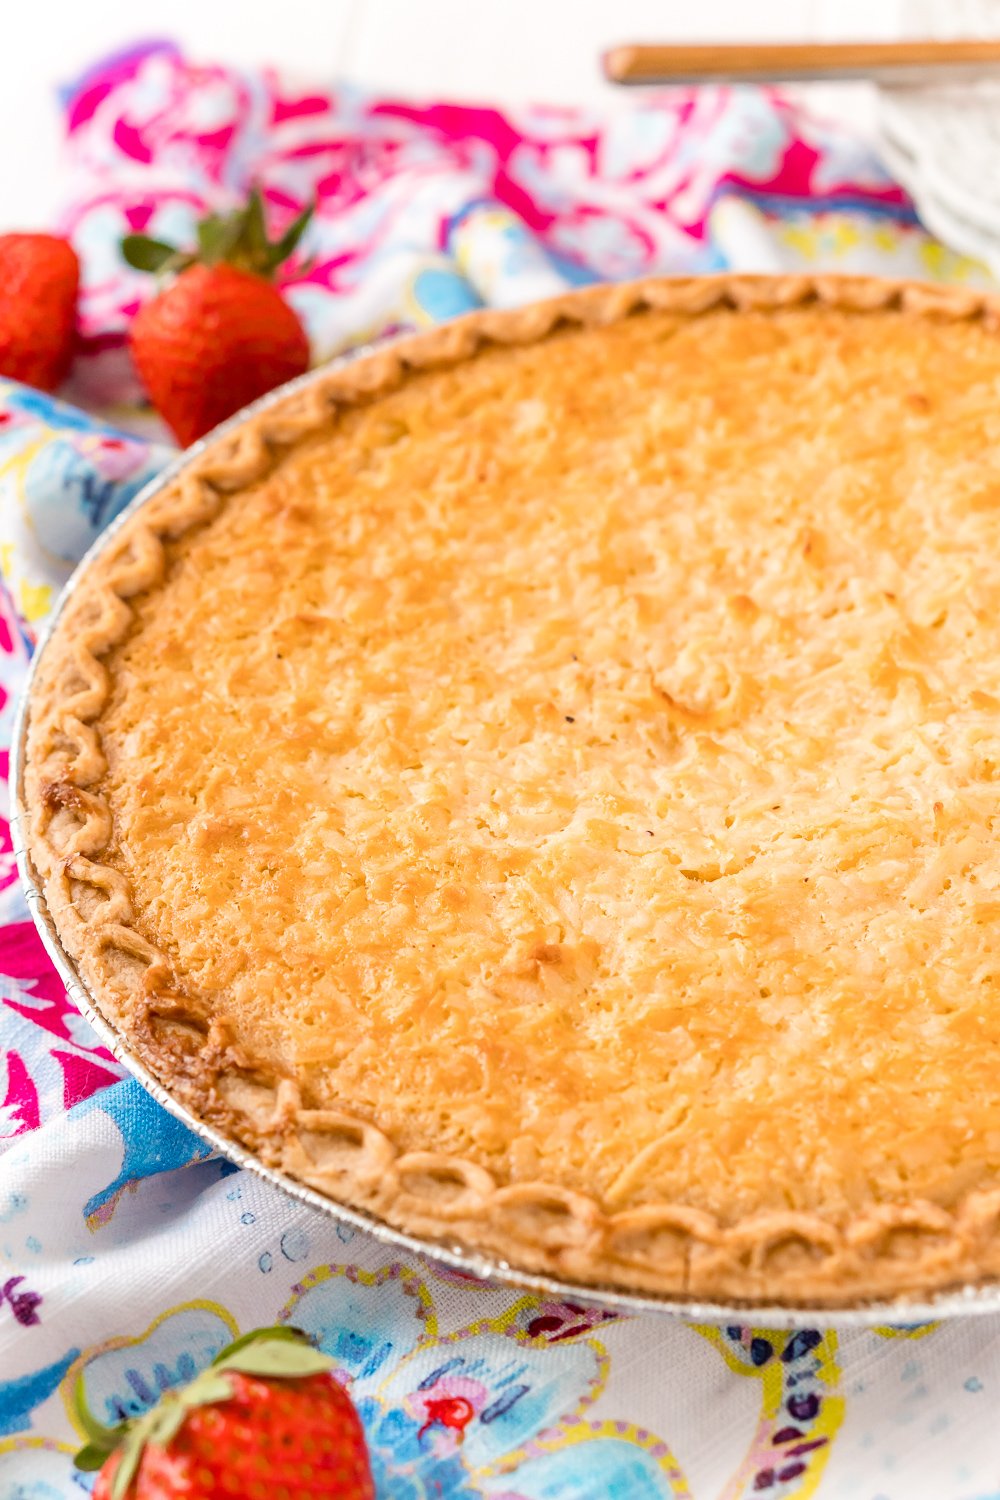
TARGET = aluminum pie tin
(964,1301)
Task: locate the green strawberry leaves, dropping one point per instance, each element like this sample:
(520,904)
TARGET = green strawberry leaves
(101,1440)
(276,1353)
(145,254)
(254,227)
(290,239)
(95,1430)
(284,1361)
(90,1457)
(236,239)
(276,1332)
(282,1352)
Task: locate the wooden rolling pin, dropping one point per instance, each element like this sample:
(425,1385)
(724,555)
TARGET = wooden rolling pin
(794,62)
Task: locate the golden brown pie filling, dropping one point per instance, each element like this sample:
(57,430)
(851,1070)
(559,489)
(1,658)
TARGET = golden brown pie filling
(549,797)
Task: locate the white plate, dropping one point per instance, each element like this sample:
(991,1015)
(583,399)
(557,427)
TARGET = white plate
(943,144)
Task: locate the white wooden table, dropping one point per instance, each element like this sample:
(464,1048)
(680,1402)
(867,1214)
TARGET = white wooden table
(507,51)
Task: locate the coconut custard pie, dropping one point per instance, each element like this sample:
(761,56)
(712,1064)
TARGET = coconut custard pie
(540,784)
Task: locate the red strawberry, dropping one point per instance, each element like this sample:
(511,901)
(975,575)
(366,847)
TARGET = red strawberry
(39,281)
(266,1418)
(220,334)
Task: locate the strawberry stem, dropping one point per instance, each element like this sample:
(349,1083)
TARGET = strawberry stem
(238,238)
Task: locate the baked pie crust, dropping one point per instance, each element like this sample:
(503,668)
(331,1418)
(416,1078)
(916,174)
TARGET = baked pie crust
(538,784)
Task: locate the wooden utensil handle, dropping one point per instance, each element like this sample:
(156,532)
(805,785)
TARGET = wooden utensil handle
(882,61)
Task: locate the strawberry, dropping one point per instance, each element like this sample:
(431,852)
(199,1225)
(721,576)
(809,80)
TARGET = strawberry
(39,281)
(220,334)
(266,1418)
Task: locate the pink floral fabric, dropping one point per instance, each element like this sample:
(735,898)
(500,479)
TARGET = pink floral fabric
(425,210)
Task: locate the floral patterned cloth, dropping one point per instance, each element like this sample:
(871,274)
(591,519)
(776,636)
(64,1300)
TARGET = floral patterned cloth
(128,1254)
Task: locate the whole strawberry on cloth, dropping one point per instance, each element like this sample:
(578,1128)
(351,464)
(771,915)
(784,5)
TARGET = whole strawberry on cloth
(266,1418)
(39,282)
(219,334)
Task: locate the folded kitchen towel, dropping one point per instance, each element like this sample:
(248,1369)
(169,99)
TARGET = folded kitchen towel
(128,1252)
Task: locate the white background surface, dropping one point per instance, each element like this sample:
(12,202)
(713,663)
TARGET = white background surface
(500,50)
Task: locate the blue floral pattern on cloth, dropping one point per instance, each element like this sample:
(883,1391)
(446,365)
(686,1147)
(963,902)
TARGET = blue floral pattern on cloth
(63,477)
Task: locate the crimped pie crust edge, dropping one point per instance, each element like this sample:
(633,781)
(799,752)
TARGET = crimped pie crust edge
(668,1249)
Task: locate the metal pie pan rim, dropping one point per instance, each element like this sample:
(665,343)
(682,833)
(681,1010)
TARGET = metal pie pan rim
(961,1302)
